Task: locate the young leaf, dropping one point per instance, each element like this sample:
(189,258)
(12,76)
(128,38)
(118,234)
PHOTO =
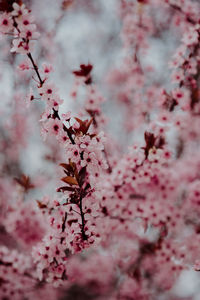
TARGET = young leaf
(70,180)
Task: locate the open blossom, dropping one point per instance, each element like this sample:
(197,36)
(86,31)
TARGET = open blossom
(48,91)
(177,76)
(24,65)
(182,96)
(53,126)
(19,10)
(20,23)
(192,67)
(191,37)
(47,69)
(25,22)
(5,23)
(20,46)
(73,153)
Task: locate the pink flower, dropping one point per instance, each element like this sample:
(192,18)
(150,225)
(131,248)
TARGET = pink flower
(47,68)
(22,47)
(5,23)
(191,37)
(177,76)
(48,91)
(53,126)
(66,116)
(191,67)
(19,10)
(74,153)
(26,23)
(90,161)
(24,65)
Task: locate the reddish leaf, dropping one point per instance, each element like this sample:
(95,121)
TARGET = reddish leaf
(70,180)
(82,175)
(24,181)
(84,125)
(66,4)
(79,121)
(69,169)
(84,70)
(160,142)
(88,124)
(41,205)
(88,80)
(65,166)
(65,188)
(150,142)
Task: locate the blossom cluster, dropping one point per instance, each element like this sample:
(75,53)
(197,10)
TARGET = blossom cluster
(20,23)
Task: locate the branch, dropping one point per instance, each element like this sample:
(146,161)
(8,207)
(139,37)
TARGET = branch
(190,20)
(84,236)
(35,68)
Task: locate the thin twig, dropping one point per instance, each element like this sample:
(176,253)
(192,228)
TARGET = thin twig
(35,68)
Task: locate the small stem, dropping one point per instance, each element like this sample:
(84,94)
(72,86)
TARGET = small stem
(109,166)
(69,134)
(29,54)
(56,114)
(82,220)
(35,67)
(76,211)
(64,222)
